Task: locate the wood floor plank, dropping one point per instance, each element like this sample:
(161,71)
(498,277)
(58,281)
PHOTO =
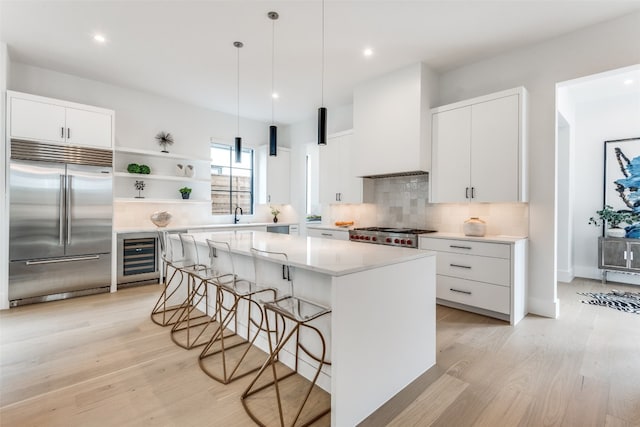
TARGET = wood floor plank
(432,403)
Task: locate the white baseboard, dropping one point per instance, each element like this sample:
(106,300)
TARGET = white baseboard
(565,276)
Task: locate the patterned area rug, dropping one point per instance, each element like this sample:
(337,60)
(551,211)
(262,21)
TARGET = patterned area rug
(623,301)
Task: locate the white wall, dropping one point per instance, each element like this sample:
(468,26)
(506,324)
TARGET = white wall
(565,188)
(139,116)
(4,208)
(594,49)
(595,122)
(564,201)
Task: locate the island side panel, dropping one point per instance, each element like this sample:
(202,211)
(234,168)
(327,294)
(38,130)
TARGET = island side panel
(383,335)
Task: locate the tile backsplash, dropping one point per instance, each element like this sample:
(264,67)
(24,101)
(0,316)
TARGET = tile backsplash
(404,202)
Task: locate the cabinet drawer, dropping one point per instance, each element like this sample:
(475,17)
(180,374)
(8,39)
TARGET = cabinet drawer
(328,234)
(469,247)
(482,269)
(476,294)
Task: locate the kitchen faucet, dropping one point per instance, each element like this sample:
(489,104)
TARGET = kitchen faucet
(235,214)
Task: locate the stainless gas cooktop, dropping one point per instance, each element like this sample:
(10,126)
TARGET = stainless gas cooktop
(404,237)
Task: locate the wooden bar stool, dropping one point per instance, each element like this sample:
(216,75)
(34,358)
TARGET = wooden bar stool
(300,313)
(164,313)
(217,358)
(189,330)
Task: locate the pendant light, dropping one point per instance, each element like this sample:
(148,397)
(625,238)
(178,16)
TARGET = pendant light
(322,111)
(238,145)
(273,130)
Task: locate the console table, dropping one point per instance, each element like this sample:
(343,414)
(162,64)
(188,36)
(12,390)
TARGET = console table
(618,254)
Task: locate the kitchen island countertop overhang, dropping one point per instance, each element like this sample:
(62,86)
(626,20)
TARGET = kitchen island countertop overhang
(381,331)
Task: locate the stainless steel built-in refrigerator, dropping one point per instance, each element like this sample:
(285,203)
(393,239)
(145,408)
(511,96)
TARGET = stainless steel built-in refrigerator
(60,221)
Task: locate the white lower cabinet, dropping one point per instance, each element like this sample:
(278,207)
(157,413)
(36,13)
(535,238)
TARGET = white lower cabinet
(479,276)
(328,234)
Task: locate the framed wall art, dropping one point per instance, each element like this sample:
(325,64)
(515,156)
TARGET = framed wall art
(622,178)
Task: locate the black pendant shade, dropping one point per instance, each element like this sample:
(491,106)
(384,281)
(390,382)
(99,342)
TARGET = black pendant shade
(322,126)
(273,140)
(238,149)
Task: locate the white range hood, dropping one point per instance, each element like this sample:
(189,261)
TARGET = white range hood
(391,121)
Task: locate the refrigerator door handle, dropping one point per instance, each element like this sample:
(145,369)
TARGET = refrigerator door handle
(68,202)
(61,213)
(55,261)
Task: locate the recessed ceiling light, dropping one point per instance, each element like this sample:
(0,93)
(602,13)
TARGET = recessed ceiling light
(99,38)
(275,95)
(628,82)
(367,52)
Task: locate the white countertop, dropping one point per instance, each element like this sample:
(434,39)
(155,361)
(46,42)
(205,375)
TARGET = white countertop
(327,256)
(487,238)
(153,228)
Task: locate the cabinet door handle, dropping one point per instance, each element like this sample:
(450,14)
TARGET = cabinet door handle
(62,132)
(269,198)
(473,192)
(460,247)
(339,197)
(466,192)
(326,234)
(68,133)
(459,291)
(460,266)
(631,255)
(625,255)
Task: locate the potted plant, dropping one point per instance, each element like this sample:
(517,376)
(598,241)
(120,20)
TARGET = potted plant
(274,212)
(612,219)
(185,191)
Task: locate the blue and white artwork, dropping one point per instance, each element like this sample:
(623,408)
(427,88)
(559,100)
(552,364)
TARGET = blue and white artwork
(622,179)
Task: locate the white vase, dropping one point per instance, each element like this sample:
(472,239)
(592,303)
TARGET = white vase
(474,227)
(189,171)
(179,169)
(616,232)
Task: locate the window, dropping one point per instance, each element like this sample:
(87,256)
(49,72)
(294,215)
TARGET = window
(231,182)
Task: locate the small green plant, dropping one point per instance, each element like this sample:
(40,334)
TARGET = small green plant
(185,190)
(136,168)
(613,218)
(274,211)
(133,168)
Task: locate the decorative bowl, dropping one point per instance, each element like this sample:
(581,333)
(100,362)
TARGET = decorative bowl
(161,218)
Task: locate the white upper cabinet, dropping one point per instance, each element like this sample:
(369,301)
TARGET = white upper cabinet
(273,176)
(391,122)
(337,183)
(37,118)
(479,149)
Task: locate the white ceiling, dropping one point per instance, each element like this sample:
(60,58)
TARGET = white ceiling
(183,49)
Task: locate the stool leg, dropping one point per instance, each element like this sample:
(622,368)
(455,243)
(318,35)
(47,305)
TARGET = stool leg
(160,307)
(230,373)
(190,304)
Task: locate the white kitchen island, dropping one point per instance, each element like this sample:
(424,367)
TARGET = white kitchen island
(381,332)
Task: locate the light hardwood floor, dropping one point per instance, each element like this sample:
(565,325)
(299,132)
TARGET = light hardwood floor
(100,361)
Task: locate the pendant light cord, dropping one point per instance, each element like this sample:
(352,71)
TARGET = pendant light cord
(322,68)
(238,94)
(273,67)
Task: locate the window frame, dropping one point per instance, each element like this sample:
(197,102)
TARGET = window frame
(231,166)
